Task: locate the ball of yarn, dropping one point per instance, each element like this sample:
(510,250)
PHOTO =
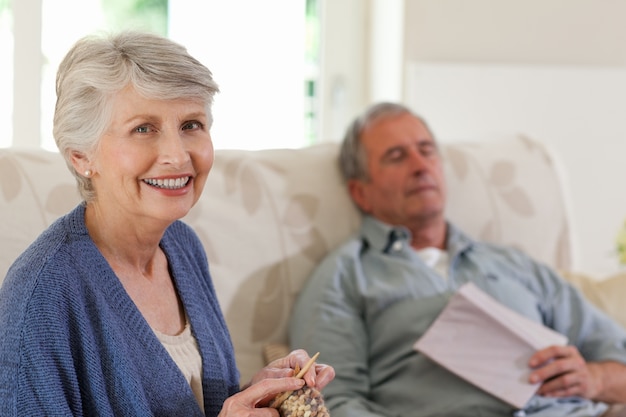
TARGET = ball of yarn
(305,402)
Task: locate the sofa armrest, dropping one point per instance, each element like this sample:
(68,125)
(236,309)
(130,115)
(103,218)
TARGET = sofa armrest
(607,294)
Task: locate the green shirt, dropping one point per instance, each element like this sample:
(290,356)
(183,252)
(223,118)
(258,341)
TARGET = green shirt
(373,297)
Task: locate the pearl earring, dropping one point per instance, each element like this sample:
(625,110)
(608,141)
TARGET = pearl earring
(88,173)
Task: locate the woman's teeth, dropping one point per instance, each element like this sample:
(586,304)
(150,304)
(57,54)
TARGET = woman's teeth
(170,183)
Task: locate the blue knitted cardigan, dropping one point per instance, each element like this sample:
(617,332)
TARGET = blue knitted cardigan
(72,342)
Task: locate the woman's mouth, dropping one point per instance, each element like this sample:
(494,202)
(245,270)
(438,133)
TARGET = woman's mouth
(168,183)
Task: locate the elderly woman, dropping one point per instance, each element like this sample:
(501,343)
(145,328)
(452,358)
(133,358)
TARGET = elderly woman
(112,310)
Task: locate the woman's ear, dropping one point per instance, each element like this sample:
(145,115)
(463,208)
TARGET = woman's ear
(80,162)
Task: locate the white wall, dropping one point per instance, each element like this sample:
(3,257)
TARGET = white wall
(542,32)
(551,69)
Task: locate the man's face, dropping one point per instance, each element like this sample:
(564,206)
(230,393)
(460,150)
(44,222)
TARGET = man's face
(406,184)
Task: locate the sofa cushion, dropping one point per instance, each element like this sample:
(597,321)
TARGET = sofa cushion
(266,219)
(35,189)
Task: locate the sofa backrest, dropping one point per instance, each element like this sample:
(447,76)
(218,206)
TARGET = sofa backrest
(266,218)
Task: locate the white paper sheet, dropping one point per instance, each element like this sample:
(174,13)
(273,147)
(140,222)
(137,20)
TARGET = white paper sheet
(487,344)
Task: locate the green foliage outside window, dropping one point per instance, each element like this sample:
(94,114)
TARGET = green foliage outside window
(311,50)
(4,5)
(149,15)
(311,58)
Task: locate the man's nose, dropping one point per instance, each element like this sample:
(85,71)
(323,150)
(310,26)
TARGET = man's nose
(417,161)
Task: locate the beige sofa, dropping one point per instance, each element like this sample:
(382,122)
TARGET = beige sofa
(267,217)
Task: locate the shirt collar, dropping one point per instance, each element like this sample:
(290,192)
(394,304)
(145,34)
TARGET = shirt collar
(381,236)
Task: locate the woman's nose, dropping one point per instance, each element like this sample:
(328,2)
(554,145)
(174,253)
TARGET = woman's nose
(172,149)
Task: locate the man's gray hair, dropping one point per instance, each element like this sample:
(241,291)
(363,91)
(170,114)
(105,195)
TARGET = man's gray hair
(352,157)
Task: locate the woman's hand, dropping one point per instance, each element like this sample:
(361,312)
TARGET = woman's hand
(254,400)
(318,376)
(274,379)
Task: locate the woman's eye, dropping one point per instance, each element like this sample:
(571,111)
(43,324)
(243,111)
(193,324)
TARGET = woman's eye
(142,129)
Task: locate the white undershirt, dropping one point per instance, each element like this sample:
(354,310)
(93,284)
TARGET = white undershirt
(435,258)
(183,348)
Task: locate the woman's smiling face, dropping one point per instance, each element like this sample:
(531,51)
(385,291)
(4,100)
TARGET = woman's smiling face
(154,158)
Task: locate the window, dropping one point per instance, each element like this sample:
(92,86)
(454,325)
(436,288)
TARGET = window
(58,35)
(254,49)
(312,70)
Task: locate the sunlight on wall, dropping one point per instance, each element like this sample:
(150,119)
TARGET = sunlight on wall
(58,36)
(256,53)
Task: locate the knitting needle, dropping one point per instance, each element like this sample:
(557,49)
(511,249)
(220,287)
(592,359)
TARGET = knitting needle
(282,397)
(307,366)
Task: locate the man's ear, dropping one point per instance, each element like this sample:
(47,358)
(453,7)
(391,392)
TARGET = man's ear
(358,192)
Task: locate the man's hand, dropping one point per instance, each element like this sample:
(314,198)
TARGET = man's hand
(563,372)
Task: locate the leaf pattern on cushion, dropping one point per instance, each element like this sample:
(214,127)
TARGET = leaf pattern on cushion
(273,167)
(489,231)
(313,244)
(250,190)
(518,201)
(58,203)
(299,218)
(230,174)
(534,146)
(237,172)
(195,219)
(10,179)
(238,176)
(502,174)
(13,177)
(300,212)
(458,161)
(271,304)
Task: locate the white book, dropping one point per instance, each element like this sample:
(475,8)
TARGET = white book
(487,344)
